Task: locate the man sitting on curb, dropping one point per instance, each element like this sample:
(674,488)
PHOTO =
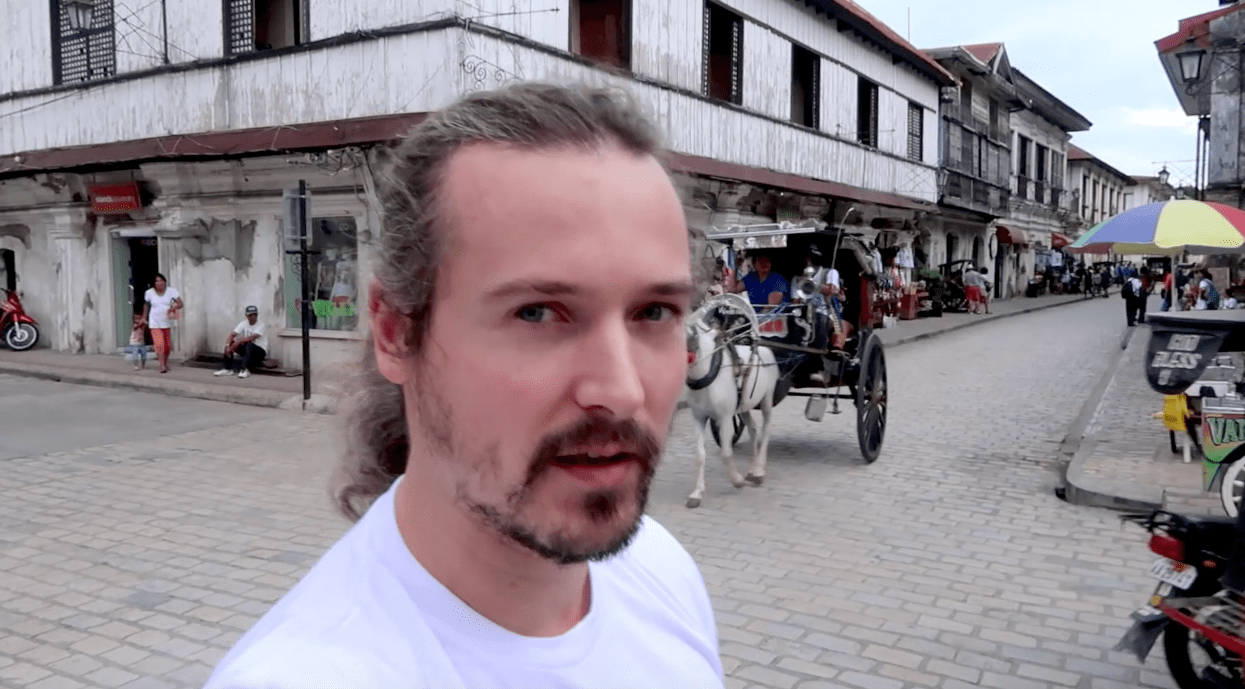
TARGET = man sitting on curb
(246,347)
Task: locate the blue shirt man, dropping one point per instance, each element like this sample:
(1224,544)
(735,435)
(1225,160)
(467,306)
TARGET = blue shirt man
(762,283)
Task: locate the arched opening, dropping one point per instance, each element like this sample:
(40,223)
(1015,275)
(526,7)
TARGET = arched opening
(977,251)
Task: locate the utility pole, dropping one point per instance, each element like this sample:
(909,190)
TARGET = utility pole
(297,222)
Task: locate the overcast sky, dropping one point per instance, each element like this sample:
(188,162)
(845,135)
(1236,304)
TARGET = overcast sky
(1097,56)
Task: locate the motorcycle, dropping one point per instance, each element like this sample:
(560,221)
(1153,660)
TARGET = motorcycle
(18,330)
(1190,607)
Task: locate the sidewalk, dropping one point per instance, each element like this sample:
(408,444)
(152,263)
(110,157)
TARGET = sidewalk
(286,392)
(1123,458)
(922,328)
(182,380)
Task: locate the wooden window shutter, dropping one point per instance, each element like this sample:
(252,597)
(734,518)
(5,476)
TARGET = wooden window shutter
(737,60)
(915,127)
(816,89)
(304,22)
(873,115)
(239,26)
(704,67)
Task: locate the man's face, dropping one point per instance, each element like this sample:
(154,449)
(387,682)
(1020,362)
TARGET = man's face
(251,318)
(762,264)
(556,349)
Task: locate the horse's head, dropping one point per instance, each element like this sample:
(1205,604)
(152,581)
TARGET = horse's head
(703,333)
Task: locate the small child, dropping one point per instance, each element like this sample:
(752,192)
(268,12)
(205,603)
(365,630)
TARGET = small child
(137,351)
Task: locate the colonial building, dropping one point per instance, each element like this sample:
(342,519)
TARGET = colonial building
(1147,190)
(1203,62)
(1098,191)
(1040,199)
(159,137)
(975,134)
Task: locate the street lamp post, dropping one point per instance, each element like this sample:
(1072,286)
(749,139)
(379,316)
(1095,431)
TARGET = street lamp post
(81,13)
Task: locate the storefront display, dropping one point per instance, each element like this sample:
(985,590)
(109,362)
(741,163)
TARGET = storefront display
(332,271)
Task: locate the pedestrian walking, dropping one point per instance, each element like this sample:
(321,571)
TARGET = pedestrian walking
(1135,291)
(975,289)
(162,305)
(1169,290)
(136,351)
(518,386)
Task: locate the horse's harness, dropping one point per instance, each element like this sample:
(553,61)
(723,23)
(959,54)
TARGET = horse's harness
(738,367)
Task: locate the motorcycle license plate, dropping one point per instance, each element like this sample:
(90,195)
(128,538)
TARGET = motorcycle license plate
(1177,574)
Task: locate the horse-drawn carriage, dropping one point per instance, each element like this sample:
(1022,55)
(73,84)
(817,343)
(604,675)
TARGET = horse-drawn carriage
(813,345)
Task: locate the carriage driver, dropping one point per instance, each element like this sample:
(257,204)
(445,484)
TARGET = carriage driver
(762,285)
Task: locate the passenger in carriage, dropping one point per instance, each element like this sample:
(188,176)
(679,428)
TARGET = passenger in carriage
(827,284)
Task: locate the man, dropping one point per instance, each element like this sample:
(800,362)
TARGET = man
(827,282)
(763,286)
(518,386)
(1134,292)
(246,346)
(975,287)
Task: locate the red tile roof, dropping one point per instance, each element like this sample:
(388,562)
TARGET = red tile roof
(900,44)
(984,51)
(1077,153)
(1193,29)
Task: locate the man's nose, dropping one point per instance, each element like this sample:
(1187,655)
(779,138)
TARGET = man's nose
(610,378)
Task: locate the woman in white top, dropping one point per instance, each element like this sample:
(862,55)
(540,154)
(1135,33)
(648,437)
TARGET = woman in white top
(162,306)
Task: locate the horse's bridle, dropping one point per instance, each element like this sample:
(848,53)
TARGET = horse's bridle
(715,367)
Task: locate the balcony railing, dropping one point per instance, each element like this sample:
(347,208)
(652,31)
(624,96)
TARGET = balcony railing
(970,192)
(1022,187)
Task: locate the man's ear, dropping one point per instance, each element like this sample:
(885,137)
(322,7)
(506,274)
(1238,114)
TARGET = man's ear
(389,335)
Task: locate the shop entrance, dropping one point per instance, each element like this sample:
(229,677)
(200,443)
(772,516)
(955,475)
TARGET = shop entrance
(135,262)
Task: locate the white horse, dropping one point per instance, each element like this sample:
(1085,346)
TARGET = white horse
(716,391)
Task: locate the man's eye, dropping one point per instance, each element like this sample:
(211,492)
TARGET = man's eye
(534,313)
(656,312)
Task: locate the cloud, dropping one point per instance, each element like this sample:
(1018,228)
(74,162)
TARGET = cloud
(1162,117)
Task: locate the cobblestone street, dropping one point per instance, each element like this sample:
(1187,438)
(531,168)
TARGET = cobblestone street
(947,563)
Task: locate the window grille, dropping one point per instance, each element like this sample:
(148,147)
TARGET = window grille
(916,132)
(79,56)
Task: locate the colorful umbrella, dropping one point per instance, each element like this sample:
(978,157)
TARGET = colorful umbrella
(1168,228)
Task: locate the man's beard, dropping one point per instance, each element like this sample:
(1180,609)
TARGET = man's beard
(598,507)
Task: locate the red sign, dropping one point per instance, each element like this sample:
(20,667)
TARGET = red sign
(115,198)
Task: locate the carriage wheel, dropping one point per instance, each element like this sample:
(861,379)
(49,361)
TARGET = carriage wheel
(871,398)
(739,430)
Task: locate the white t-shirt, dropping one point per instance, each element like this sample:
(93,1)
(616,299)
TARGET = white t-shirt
(158,316)
(245,329)
(368,616)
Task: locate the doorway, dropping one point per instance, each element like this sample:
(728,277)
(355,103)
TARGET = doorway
(976,252)
(8,270)
(953,245)
(135,264)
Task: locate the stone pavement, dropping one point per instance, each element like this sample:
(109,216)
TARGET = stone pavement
(263,390)
(923,328)
(948,563)
(1124,459)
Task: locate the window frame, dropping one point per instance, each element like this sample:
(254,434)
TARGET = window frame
(810,108)
(916,139)
(626,41)
(233,13)
(100,41)
(867,109)
(736,57)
